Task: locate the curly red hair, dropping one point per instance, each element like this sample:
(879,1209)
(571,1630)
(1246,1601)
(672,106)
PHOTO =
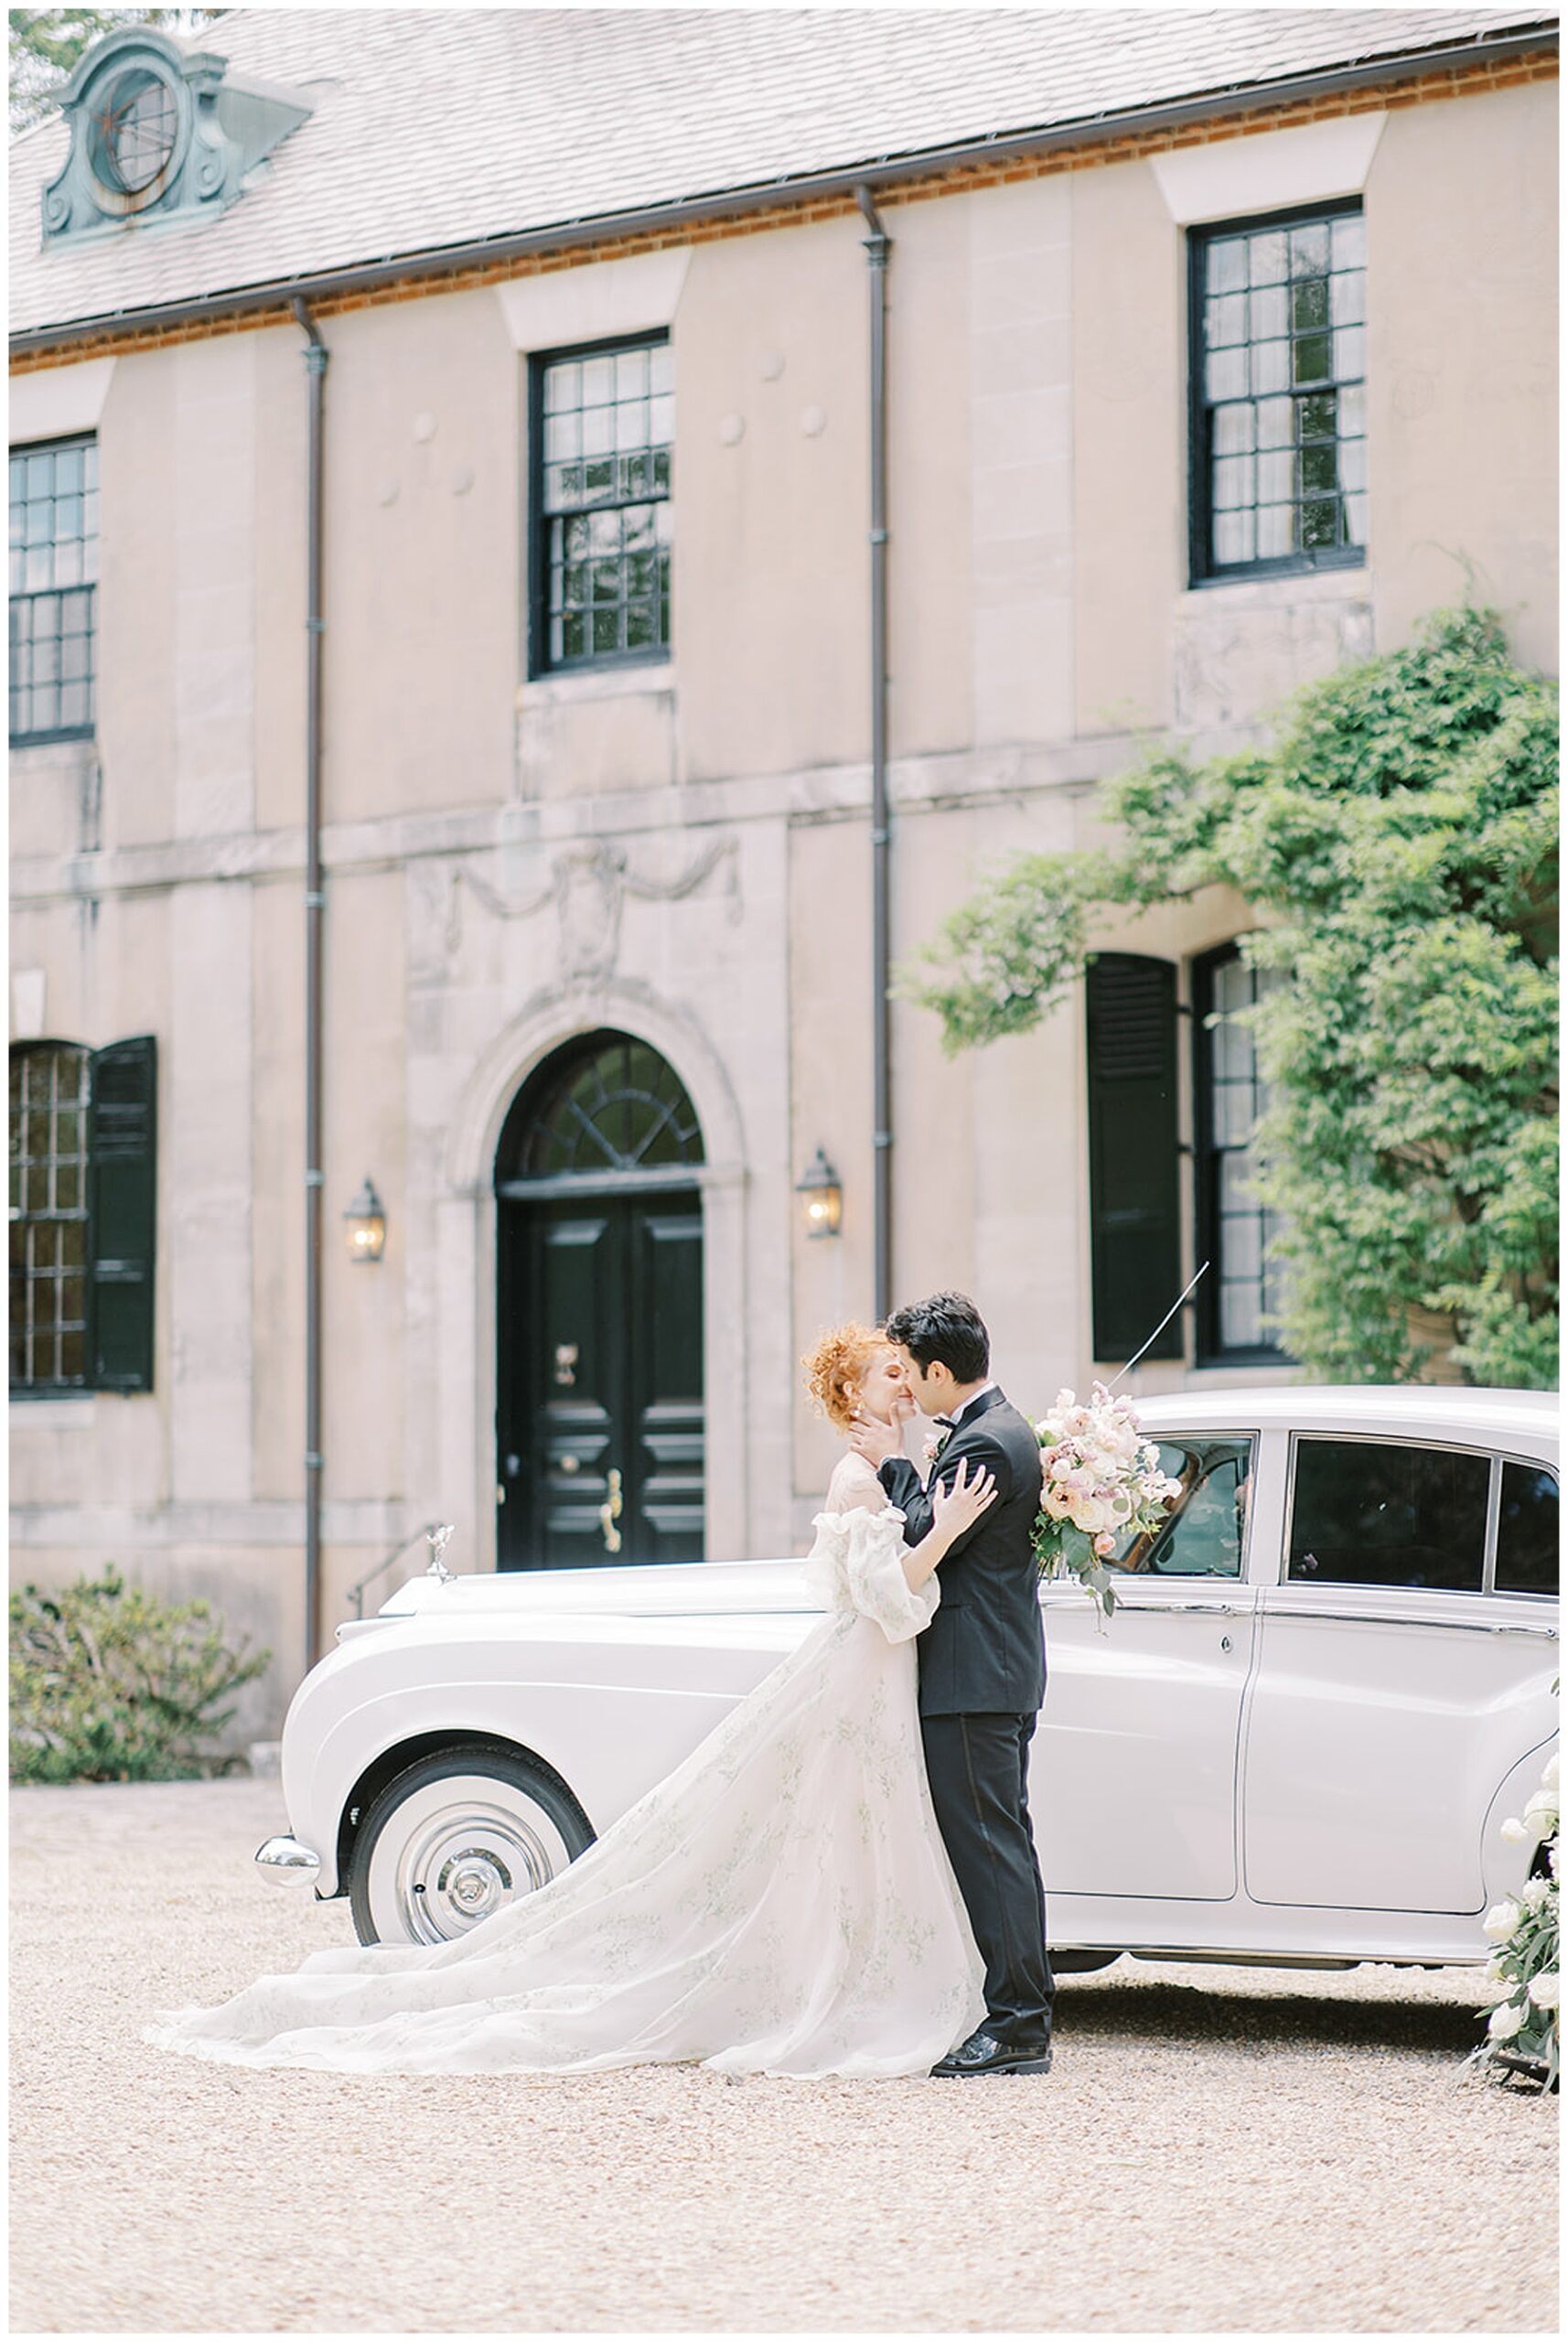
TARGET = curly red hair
(834,1367)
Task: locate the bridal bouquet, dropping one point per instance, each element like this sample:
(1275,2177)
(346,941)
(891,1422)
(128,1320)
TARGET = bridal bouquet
(1102,1479)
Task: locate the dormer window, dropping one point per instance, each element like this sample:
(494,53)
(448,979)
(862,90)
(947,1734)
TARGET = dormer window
(159,132)
(135,129)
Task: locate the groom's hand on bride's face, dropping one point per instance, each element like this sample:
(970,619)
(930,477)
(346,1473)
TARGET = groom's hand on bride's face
(875,1440)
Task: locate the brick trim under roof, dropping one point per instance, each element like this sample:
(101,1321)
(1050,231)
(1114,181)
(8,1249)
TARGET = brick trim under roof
(1419,76)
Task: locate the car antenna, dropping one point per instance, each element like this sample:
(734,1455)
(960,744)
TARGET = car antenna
(1154,1337)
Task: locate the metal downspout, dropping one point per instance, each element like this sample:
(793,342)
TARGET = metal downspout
(877,246)
(315,909)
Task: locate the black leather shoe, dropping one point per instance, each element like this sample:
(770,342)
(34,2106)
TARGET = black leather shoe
(982,2053)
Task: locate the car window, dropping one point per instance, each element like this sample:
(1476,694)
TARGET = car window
(1527,1531)
(1370,1514)
(1203,1535)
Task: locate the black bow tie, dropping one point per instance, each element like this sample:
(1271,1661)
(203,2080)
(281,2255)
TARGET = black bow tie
(946,1421)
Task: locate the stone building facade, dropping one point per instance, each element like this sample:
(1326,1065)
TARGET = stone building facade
(617,882)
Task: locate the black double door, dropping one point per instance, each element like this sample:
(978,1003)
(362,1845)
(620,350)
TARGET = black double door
(600,1413)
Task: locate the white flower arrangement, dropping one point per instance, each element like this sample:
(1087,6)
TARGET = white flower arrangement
(1524,2027)
(1102,1478)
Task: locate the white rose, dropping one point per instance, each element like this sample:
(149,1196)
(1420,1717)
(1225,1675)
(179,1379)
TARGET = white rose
(1501,1920)
(1543,1989)
(1514,1831)
(1505,2022)
(1548,1779)
(1494,1971)
(1544,1804)
(1536,1892)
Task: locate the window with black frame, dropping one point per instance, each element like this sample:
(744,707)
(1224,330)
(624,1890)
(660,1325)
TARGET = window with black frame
(54,589)
(1235,1233)
(83,1210)
(48,1217)
(1279,411)
(603,427)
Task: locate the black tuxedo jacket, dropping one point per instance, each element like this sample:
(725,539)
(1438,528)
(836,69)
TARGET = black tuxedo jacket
(984,1652)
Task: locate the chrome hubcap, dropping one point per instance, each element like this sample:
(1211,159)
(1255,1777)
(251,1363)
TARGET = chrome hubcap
(475,1882)
(462,1864)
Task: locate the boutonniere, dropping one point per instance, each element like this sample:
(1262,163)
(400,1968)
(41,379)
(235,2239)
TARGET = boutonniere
(935,1442)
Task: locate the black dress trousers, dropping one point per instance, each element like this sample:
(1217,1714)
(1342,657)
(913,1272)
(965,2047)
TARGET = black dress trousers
(978,1767)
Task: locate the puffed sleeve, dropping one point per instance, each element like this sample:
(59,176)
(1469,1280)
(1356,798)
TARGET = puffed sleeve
(857,1564)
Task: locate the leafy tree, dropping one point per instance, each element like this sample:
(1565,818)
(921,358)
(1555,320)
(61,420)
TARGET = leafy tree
(47,44)
(1397,841)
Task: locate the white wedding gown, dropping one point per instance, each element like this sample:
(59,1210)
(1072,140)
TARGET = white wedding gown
(782,1904)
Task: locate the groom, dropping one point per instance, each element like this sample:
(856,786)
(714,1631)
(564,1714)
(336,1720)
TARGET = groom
(983,1669)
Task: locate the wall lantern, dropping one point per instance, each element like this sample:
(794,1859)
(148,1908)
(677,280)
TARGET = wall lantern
(824,1197)
(366,1223)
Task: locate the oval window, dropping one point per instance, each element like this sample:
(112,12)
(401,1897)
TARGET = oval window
(134,126)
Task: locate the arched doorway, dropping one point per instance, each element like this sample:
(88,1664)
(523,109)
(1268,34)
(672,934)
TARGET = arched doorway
(599,1385)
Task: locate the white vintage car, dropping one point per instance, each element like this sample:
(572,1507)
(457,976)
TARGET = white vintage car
(1327,1681)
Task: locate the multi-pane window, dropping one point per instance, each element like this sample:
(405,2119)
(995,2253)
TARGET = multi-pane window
(1242,1287)
(48,1217)
(83,1210)
(54,574)
(604,423)
(1278,394)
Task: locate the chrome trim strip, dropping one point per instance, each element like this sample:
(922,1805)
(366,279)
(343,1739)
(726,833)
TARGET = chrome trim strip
(1190,1609)
(1391,1619)
(1489,1534)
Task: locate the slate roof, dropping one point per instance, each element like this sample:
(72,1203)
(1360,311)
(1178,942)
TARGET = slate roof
(435,127)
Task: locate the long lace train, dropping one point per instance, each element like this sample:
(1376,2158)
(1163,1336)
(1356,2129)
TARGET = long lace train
(781,1903)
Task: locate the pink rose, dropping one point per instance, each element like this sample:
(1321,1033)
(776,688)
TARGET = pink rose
(1105,1542)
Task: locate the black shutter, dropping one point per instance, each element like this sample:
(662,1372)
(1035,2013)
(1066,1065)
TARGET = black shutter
(1133,1173)
(121,1127)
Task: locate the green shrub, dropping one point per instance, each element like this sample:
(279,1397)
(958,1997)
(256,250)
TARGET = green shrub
(110,1684)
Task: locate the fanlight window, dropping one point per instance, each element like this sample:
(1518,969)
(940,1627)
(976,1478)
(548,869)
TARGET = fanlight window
(611,1106)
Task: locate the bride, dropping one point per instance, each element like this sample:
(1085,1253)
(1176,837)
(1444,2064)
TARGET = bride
(782,1904)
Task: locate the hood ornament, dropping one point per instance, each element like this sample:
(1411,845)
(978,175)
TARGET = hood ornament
(440,1535)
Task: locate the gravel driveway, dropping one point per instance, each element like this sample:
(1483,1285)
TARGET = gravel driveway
(1216,2150)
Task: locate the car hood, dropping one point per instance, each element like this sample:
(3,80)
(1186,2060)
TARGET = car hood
(687,1589)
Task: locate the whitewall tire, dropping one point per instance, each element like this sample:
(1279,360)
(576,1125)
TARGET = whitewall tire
(456,1837)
